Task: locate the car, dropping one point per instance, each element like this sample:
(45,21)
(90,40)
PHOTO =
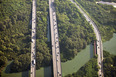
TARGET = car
(32,40)
(60,75)
(31,72)
(33,62)
(100,75)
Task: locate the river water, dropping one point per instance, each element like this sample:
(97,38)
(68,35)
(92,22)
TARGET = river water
(110,45)
(70,66)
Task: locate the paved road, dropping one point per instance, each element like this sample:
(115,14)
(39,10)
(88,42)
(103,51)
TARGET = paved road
(99,41)
(108,3)
(33,40)
(55,41)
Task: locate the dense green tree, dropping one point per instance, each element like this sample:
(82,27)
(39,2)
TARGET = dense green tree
(74,31)
(109,64)
(21,63)
(3,61)
(14,30)
(103,15)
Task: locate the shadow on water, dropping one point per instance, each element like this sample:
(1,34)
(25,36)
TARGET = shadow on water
(25,74)
(91,51)
(47,72)
(7,70)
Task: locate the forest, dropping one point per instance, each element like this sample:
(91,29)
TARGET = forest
(15,32)
(103,15)
(90,69)
(109,64)
(74,31)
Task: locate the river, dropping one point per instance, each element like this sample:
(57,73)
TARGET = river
(110,45)
(70,66)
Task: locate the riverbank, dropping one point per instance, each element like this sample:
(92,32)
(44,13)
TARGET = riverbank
(42,72)
(75,64)
(70,66)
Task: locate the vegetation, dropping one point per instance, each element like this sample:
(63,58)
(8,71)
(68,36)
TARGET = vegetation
(15,33)
(43,45)
(109,65)
(21,63)
(74,31)
(103,15)
(3,61)
(90,69)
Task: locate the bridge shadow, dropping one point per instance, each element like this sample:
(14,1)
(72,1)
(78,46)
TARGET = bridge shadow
(91,50)
(48,71)
(25,74)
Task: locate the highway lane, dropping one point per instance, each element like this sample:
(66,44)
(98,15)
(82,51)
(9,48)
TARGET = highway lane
(33,41)
(99,41)
(55,41)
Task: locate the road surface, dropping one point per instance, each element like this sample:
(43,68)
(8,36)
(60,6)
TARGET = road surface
(55,41)
(99,41)
(33,40)
(108,3)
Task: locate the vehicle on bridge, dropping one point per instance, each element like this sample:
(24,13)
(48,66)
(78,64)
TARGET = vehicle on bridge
(32,40)
(33,62)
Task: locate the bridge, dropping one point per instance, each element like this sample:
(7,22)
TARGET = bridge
(99,41)
(33,40)
(54,41)
(57,72)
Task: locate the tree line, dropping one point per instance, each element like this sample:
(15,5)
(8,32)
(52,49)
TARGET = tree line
(74,31)
(109,64)
(103,15)
(15,32)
